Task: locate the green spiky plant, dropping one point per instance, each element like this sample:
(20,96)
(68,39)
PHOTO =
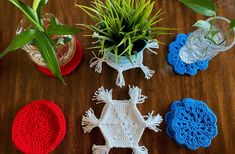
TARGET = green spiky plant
(208,8)
(40,34)
(123,26)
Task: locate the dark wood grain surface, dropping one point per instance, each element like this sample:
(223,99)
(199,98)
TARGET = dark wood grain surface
(21,83)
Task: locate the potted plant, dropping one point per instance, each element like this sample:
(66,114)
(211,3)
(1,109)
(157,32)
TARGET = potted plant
(48,43)
(213,35)
(123,29)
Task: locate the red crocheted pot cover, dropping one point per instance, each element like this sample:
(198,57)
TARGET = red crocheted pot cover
(38,128)
(70,66)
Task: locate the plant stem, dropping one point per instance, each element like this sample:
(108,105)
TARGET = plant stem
(230,30)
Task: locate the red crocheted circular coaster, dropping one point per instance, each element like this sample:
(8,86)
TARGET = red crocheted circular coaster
(38,128)
(70,66)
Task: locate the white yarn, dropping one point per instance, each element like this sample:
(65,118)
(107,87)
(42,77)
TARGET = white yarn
(120,68)
(120,121)
(152,44)
(153,121)
(97,62)
(147,72)
(136,96)
(120,81)
(98,149)
(140,150)
(89,121)
(103,95)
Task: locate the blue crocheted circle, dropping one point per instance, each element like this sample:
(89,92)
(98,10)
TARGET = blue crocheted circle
(191,123)
(178,65)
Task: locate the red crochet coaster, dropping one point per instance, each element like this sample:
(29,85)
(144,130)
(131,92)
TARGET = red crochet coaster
(38,128)
(70,66)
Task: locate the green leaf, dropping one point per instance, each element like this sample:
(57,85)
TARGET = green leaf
(41,4)
(205,7)
(53,21)
(35,4)
(86,10)
(232,24)
(203,24)
(38,3)
(19,41)
(135,54)
(48,53)
(123,41)
(110,48)
(130,45)
(129,57)
(120,23)
(62,30)
(29,13)
(116,54)
(103,37)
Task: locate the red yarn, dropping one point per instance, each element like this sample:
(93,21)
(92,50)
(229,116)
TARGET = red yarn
(38,128)
(70,66)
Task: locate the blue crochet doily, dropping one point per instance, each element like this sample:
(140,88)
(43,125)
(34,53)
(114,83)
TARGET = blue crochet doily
(191,123)
(178,65)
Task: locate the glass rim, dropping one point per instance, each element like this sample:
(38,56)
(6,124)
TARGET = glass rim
(45,17)
(228,21)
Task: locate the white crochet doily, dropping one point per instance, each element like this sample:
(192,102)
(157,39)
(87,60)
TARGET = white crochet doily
(121,123)
(124,63)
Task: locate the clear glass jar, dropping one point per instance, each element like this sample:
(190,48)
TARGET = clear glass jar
(198,47)
(64,52)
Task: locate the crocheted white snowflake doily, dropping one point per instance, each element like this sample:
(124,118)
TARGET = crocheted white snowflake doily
(109,59)
(121,123)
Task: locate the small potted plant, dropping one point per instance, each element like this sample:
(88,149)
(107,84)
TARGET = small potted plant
(123,29)
(49,43)
(213,35)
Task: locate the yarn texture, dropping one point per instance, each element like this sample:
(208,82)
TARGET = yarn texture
(176,62)
(109,59)
(38,128)
(70,66)
(191,123)
(121,123)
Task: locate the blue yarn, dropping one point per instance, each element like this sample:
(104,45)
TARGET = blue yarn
(191,123)
(178,65)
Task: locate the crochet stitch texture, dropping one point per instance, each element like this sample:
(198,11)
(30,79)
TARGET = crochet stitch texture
(178,65)
(109,59)
(121,123)
(191,123)
(38,128)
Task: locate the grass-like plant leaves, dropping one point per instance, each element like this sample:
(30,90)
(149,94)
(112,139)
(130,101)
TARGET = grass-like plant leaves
(120,24)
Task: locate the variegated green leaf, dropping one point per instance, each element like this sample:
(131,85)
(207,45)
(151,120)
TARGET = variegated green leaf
(205,7)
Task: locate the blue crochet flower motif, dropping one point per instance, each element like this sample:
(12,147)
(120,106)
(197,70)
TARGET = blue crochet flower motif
(178,65)
(191,123)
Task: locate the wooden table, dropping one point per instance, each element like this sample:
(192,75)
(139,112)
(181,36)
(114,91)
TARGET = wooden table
(21,83)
